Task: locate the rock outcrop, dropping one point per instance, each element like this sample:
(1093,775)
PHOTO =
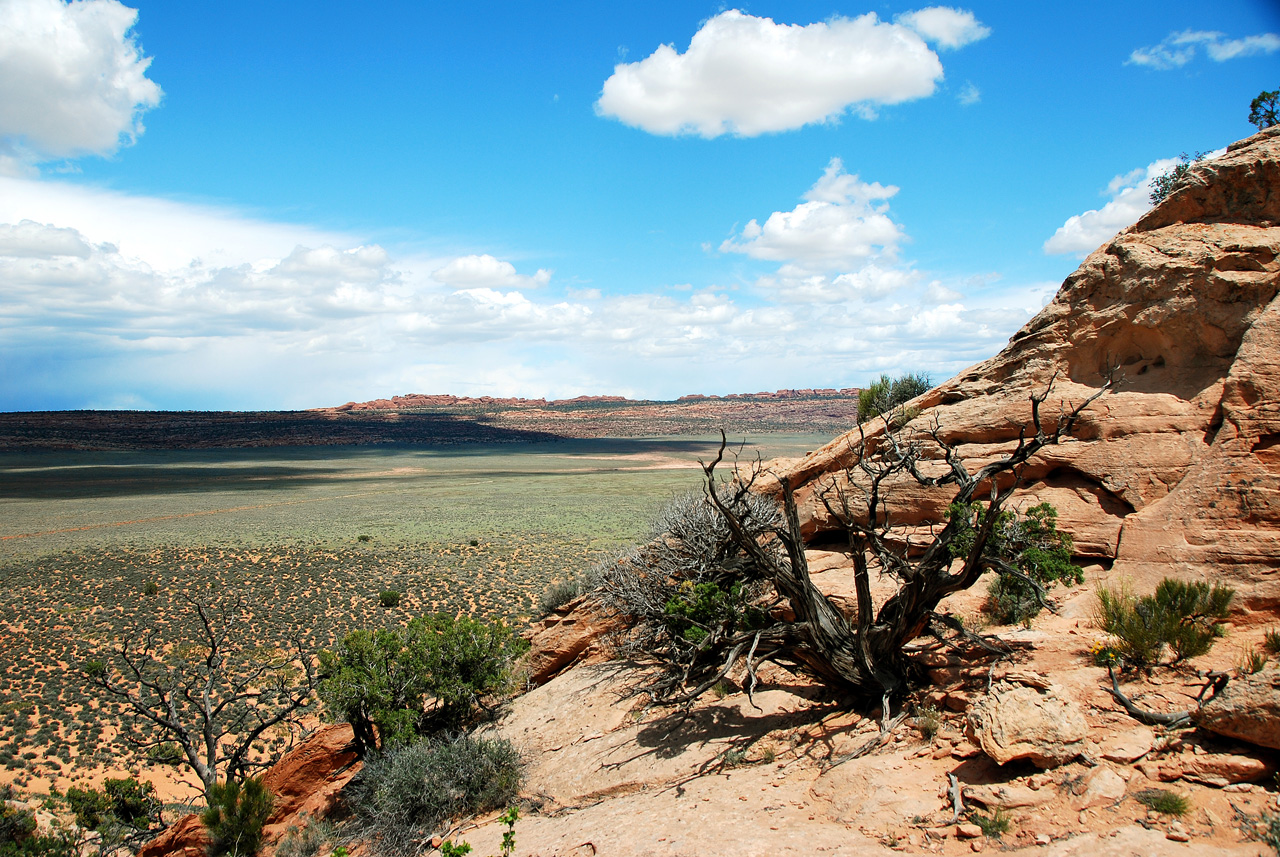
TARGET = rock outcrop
(1179,470)
(1019,722)
(306,781)
(1248,709)
(570,634)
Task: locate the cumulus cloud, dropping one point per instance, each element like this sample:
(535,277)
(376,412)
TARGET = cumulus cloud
(842,223)
(486,272)
(945,27)
(1130,199)
(92,315)
(1178,49)
(31,240)
(746,75)
(867,284)
(72,80)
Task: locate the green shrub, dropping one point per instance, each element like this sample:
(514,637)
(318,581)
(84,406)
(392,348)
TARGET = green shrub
(389,598)
(1262,110)
(167,753)
(18,837)
(1271,641)
(1268,829)
(1163,801)
(1251,662)
(1163,185)
(91,807)
(307,841)
(559,594)
(1184,617)
(234,819)
(697,607)
(409,792)
(881,396)
(993,826)
(1031,543)
(152,588)
(928,721)
(16,825)
(363,537)
(384,679)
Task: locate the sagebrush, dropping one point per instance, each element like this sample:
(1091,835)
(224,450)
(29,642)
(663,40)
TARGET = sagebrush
(409,792)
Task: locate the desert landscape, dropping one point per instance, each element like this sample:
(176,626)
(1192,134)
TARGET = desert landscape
(1160,353)
(606,431)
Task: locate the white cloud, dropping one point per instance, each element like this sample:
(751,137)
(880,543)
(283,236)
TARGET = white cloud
(72,80)
(937,293)
(93,313)
(31,240)
(1229,49)
(969,94)
(487,272)
(843,223)
(868,284)
(945,27)
(1130,199)
(164,233)
(1178,49)
(747,75)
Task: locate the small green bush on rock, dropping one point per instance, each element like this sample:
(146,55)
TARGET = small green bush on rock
(1164,801)
(884,394)
(382,681)
(1031,542)
(1163,185)
(1183,617)
(234,819)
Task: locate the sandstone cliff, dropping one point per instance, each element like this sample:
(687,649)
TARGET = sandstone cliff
(1177,472)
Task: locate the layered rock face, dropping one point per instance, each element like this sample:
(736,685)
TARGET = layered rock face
(1178,471)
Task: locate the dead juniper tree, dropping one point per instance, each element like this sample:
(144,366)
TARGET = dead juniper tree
(723,580)
(215,697)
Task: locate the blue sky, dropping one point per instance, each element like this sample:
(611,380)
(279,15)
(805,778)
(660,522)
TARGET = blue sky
(286,205)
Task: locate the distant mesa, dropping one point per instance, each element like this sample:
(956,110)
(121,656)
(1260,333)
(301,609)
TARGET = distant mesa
(413,401)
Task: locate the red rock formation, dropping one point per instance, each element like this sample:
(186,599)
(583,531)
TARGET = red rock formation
(307,779)
(1178,471)
(184,838)
(570,635)
(305,782)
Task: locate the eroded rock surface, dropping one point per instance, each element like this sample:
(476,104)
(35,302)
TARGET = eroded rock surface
(1248,709)
(1020,722)
(1179,471)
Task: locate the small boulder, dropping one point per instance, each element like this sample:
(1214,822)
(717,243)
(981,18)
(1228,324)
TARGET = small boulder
(1210,769)
(1006,796)
(308,779)
(1247,709)
(571,634)
(1102,786)
(1128,746)
(1021,722)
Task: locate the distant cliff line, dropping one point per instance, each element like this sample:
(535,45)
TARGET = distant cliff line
(436,400)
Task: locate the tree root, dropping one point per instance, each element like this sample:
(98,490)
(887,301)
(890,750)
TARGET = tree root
(1172,719)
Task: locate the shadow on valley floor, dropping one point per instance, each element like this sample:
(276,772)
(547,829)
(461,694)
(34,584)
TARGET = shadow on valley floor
(78,474)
